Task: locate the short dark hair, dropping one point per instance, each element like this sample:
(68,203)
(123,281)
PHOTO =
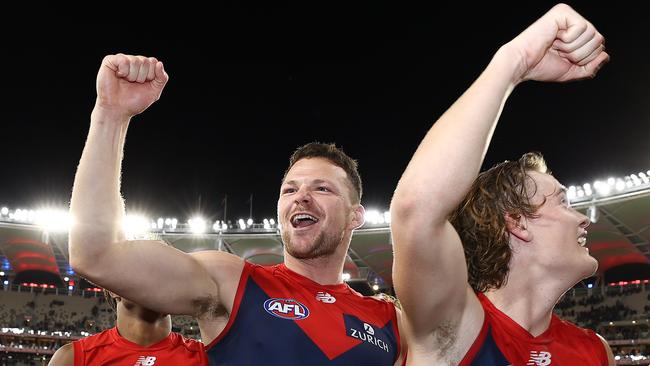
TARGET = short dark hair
(480,220)
(336,156)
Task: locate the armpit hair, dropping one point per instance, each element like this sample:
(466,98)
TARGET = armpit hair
(208,307)
(445,338)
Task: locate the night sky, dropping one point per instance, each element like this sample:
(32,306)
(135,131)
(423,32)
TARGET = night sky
(249,85)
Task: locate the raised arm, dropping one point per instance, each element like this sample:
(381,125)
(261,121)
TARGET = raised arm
(150,273)
(429,269)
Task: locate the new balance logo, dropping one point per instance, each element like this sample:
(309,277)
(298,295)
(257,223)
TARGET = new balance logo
(540,358)
(325,297)
(145,361)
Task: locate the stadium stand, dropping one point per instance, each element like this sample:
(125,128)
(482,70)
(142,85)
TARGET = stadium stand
(44,304)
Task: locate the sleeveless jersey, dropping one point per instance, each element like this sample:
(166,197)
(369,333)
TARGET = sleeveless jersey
(109,348)
(503,342)
(282,318)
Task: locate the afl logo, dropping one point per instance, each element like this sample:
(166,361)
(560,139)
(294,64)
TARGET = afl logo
(286,309)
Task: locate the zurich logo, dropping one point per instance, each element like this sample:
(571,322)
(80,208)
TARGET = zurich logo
(286,309)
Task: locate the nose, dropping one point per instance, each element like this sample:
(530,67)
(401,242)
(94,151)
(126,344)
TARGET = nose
(303,195)
(584,221)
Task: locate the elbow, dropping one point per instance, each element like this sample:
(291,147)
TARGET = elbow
(79,263)
(417,210)
(404,207)
(84,255)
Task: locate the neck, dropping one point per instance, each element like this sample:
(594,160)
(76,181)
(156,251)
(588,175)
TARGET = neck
(327,270)
(528,300)
(141,326)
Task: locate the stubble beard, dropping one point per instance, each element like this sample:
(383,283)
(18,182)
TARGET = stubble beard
(322,246)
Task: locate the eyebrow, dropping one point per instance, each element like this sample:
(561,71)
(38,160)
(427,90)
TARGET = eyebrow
(315,181)
(560,191)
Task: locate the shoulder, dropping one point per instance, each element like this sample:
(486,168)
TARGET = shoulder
(64,356)
(569,330)
(215,258)
(97,340)
(190,344)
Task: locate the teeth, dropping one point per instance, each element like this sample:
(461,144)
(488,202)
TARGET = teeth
(582,241)
(303,216)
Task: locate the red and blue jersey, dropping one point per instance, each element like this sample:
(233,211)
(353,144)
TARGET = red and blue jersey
(110,348)
(503,342)
(282,318)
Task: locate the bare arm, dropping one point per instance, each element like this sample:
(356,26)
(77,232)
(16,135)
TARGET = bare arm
(150,273)
(608,350)
(560,46)
(64,356)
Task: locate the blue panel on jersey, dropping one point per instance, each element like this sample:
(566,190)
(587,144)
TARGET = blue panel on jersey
(489,354)
(256,338)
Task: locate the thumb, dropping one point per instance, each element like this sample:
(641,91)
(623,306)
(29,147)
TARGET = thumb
(590,70)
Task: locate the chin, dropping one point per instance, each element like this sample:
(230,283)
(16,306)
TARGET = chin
(590,267)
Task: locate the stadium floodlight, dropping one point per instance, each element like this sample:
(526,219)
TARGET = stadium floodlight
(272,222)
(53,220)
(375,287)
(267,225)
(571,193)
(346,276)
(168,221)
(387,217)
(174,223)
(620,185)
(372,217)
(135,225)
(644,177)
(160,222)
(224,226)
(2,273)
(197,225)
(249,222)
(611,181)
(242,224)
(6,282)
(602,188)
(216,226)
(4,211)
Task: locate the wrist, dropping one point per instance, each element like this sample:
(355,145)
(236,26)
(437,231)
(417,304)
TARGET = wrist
(106,115)
(511,61)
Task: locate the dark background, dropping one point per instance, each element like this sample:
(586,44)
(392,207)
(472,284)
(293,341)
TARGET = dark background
(250,84)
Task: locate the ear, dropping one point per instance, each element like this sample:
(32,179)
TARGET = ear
(518,228)
(358,217)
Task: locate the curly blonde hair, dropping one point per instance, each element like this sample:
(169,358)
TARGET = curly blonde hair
(480,218)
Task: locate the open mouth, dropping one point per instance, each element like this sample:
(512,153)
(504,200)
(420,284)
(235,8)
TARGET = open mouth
(582,239)
(303,220)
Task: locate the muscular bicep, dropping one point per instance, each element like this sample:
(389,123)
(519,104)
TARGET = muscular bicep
(154,275)
(64,356)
